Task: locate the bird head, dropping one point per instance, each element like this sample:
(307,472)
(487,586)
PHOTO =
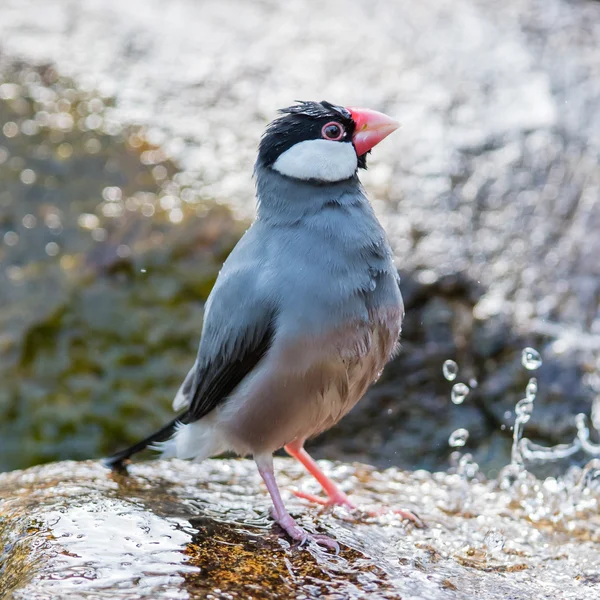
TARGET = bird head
(322,142)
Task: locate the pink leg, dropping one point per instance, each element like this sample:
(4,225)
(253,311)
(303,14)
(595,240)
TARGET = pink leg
(335,496)
(280,513)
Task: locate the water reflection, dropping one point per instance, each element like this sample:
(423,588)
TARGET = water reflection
(178,529)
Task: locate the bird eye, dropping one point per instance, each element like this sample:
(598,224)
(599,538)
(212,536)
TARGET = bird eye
(333,131)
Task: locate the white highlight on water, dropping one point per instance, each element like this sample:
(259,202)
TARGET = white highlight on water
(458,438)
(459,393)
(531,359)
(556,499)
(450,370)
(494,541)
(531,389)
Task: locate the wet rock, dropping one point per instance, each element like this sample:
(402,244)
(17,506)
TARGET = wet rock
(174,529)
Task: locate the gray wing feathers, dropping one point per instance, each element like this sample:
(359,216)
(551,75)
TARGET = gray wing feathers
(237,332)
(183,397)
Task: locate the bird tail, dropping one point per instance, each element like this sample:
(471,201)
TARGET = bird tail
(117,460)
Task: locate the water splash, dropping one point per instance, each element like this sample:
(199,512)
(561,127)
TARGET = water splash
(458,438)
(459,392)
(494,541)
(459,498)
(583,436)
(531,389)
(560,500)
(531,359)
(450,370)
(556,500)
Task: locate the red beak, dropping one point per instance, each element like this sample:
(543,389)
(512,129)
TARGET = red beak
(371,128)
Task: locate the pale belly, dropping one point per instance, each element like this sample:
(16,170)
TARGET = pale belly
(304,389)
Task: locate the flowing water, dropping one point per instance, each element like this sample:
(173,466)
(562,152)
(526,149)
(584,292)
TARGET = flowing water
(174,529)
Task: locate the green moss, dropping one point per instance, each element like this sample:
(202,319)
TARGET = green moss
(100,305)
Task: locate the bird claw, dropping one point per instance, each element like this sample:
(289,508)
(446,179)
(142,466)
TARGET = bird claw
(342,500)
(299,534)
(338,500)
(324,540)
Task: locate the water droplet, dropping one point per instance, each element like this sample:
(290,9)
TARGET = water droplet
(11,238)
(467,467)
(123,251)
(94,121)
(531,359)
(88,221)
(494,541)
(176,215)
(112,210)
(95,105)
(581,423)
(590,475)
(112,193)
(52,249)
(62,121)
(100,234)
(159,172)
(459,393)
(65,150)
(29,221)
(523,410)
(10,129)
(52,221)
(169,202)
(148,209)
(583,435)
(510,475)
(9,91)
(28,176)
(93,146)
(551,485)
(458,438)
(29,127)
(531,389)
(450,370)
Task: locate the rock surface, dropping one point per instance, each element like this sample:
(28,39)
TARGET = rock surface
(181,530)
(490,194)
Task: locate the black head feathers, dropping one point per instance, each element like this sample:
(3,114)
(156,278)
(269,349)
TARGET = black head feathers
(300,122)
(317,110)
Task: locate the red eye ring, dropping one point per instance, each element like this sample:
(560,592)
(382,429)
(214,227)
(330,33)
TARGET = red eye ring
(332,136)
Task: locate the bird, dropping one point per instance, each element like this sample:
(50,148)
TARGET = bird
(305,312)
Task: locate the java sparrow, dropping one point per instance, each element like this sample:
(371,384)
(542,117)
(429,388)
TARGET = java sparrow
(305,312)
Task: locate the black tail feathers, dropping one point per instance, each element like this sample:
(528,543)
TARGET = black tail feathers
(116,462)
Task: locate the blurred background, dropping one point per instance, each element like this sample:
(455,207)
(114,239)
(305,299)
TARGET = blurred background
(128,132)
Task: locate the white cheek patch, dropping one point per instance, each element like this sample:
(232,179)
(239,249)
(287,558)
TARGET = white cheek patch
(318,159)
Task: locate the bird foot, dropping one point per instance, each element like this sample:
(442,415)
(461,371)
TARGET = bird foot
(299,534)
(340,499)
